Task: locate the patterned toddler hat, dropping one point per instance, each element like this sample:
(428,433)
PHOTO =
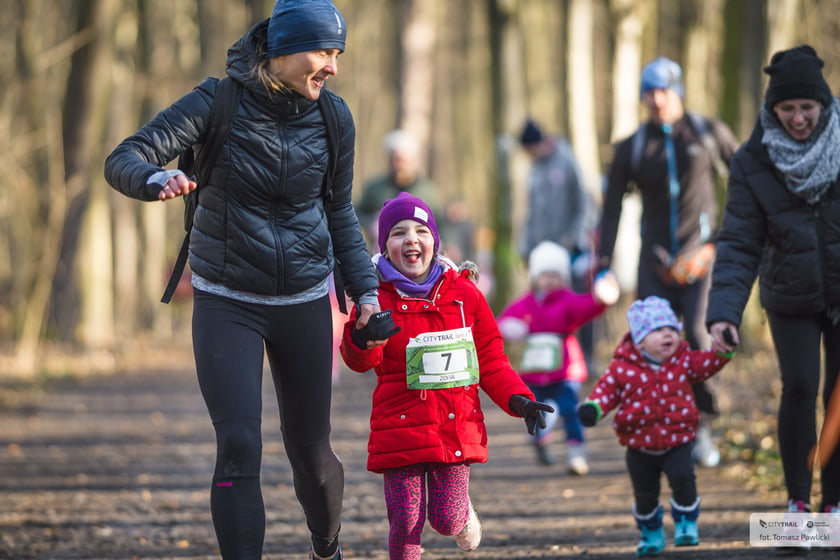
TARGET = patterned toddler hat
(649,314)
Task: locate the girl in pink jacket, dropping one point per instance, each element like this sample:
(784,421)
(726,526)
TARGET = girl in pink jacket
(544,322)
(649,382)
(432,350)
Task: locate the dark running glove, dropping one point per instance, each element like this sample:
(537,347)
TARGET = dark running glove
(379,327)
(589,413)
(531,411)
(728,337)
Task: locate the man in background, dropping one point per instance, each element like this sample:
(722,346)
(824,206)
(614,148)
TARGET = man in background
(560,210)
(672,160)
(404,174)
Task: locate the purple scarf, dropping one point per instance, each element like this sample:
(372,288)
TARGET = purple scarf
(406,285)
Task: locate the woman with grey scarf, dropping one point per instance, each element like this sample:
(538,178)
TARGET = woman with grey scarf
(782,225)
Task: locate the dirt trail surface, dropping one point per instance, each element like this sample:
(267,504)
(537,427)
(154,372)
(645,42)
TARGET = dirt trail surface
(118,467)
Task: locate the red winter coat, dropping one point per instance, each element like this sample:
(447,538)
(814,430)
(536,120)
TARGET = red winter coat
(410,426)
(656,408)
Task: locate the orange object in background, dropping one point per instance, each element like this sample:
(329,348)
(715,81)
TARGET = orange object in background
(830,433)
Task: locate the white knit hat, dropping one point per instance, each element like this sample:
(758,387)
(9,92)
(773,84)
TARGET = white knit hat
(548,256)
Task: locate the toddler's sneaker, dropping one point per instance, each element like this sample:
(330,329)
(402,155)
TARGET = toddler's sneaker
(470,536)
(653,534)
(685,523)
(651,543)
(685,533)
(576,459)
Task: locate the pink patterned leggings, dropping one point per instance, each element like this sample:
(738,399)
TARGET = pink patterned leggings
(407,504)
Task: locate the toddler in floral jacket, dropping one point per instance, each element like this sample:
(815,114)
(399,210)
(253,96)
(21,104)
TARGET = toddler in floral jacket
(649,382)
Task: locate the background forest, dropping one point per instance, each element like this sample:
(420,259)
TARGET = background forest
(83,267)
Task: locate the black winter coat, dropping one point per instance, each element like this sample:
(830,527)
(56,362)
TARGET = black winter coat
(768,231)
(697,203)
(260,226)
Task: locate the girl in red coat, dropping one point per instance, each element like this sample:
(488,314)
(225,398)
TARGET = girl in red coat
(437,344)
(649,382)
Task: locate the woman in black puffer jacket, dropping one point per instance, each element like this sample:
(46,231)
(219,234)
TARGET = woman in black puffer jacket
(782,224)
(261,252)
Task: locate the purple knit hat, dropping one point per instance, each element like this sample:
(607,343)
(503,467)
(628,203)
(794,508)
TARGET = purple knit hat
(649,314)
(405,207)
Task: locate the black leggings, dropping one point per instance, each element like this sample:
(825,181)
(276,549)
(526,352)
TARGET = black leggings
(228,341)
(797,341)
(646,470)
(689,303)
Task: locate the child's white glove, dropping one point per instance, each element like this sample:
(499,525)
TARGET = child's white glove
(605,287)
(513,328)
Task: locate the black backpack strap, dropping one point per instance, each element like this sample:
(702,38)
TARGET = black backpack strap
(637,146)
(704,130)
(328,110)
(225,103)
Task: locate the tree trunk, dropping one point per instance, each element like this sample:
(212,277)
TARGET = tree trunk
(96,328)
(35,207)
(784,19)
(499,19)
(626,79)
(627,66)
(703,49)
(417,54)
(580,90)
(83,124)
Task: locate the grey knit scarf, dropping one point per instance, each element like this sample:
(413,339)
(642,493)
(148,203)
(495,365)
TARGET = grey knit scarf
(811,166)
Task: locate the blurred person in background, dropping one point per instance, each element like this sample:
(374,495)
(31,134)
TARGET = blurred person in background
(560,210)
(543,321)
(405,174)
(673,160)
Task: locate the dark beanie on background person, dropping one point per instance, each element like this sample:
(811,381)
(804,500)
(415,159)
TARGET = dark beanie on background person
(796,74)
(405,206)
(531,133)
(304,25)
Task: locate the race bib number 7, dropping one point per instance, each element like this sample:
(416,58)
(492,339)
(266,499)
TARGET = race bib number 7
(439,360)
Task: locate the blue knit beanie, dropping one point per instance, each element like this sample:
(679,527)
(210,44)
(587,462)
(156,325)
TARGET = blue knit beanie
(304,25)
(662,73)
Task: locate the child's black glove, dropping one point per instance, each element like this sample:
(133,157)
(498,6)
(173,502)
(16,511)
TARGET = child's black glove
(379,327)
(589,414)
(531,411)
